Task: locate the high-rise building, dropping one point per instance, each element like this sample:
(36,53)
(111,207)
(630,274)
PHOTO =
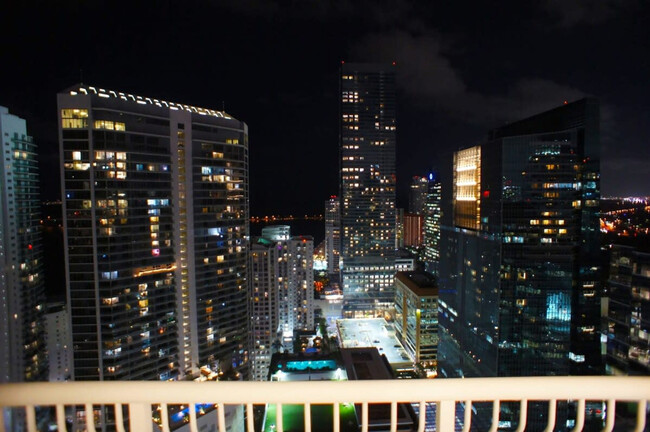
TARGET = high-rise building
(333,234)
(367,149)
(294,272)
(416,316)
(155,204)
(22,299)
(418,195)
(628,312)
(432,219)
(520,264)
(266,335)
(413,231)
(23,355)
(299,304)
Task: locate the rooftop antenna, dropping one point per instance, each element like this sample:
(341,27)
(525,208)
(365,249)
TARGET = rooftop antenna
(81,75)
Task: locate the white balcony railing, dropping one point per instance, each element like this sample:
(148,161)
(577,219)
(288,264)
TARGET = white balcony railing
(142,397)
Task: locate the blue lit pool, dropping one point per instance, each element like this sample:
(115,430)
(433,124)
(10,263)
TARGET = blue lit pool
(179,416)
(315,365)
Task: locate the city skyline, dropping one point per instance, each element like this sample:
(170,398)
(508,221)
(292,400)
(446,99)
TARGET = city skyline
(458,75)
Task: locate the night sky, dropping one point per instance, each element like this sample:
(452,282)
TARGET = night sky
(463,68)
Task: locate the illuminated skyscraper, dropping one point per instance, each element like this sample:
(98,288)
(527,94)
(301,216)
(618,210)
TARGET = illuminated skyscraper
(520,257)
(155,200)
(432,219)
(22,293)
(418,195)
(367,150)
(520,264)
(295,278)
(22,296)
(264,306)
(333,234)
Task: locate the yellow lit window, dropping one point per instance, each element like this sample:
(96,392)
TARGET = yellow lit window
(104,124)
(73,118)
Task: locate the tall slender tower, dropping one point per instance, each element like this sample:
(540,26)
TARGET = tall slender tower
(22,301)
(22,293)
(266,335)
(156,221)
(294,270)
(333,234)
(418,195)
(432,219)
(367,187)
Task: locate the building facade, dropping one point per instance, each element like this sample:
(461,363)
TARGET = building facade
(266,334)
(59,341)
(294,271)
(432,220)
(416,316)
(520,263)
(22,292)
(367,149)
(413,231)
(333,234)
(23,352)
(418,195)
(155,205)
(628,312)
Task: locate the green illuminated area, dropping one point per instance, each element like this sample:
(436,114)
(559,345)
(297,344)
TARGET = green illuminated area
(293,418)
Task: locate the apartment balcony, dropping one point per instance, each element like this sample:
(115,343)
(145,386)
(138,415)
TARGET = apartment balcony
(452,399)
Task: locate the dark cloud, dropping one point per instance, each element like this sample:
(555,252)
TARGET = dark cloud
(359,13)
(568,13)
(428,77)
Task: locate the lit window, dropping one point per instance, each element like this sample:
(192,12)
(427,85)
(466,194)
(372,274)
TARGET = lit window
(74,118)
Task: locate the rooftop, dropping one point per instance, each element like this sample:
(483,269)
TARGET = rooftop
(420,282)
(81,89)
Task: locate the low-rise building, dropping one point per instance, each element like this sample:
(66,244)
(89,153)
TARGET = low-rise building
(416,316)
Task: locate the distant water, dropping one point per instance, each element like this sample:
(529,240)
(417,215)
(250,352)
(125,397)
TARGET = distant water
(314,228)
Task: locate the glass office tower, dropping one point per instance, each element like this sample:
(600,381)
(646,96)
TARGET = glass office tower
(520,264)
(155,202)
(431,252)
(520,261)
(367,187)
